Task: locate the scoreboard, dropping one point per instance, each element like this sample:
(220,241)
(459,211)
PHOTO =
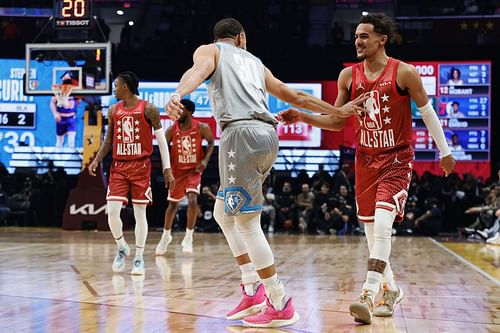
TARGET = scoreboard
(296,135)
(461,95)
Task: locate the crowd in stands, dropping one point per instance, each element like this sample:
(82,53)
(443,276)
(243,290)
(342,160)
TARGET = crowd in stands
(320,205)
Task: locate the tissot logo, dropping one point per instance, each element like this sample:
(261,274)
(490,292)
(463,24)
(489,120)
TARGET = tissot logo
(87,209)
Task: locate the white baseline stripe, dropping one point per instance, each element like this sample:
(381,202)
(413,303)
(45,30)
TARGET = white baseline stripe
(466,262)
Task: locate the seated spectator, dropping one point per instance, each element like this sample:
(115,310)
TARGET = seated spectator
(206,202)
(268,216)
(321,176)
(406,227)
(305,202)
(285,209)
(485,212)
(430,223)
(331,219)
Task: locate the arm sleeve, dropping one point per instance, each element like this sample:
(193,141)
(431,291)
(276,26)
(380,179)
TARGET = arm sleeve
(162,144)
(432,123)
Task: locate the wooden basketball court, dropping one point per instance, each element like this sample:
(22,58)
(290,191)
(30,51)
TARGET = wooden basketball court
(60,281)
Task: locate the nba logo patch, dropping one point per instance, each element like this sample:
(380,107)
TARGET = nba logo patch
(235,198)
(128,129)
(372,118)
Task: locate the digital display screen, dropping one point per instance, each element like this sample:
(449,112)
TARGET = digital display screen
(72,13)
(461,95)
(28,133)
(296,135)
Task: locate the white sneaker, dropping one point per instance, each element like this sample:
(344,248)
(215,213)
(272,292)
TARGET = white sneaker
(187,245)
(138,266)
(161,248)
(495,239)
(119,261)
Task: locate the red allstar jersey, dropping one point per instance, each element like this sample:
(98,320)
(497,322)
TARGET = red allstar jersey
(186,146)
(386,124)
(133,134)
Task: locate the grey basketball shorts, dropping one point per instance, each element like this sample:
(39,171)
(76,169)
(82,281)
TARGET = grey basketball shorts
(247,151)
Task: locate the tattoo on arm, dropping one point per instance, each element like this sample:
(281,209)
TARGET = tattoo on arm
(376,265)
(206,133)
(108,140)
(153,115)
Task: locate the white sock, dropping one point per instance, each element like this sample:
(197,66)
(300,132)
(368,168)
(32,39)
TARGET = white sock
(275,291)
(372,282)
(141,228)
(388,278)
(166,233)
(249,278)
(115,222)
(189,233)
(381,249)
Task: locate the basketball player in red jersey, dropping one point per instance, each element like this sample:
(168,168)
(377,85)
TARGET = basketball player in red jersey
(130,135)
(384,155)
(188,162)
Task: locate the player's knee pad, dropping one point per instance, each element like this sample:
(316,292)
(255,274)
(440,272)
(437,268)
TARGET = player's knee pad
(219,211)
(383,223)
(248,227)
(369,230)
(226,223)
(114,208)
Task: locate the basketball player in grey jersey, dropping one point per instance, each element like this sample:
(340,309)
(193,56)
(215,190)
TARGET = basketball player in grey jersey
(237,83)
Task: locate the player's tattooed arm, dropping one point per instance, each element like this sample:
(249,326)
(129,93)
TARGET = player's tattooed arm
(106,145)
(153,116)
(376,265)
(206,133)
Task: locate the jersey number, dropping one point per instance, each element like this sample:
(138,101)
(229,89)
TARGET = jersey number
(248,68)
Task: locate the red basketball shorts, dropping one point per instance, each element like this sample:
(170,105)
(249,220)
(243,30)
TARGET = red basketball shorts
(133,176)
(382,181)
(186,180)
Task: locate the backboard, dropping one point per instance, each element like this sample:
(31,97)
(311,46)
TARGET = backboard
(87,64)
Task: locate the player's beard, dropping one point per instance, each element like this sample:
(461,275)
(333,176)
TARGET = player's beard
(361,57)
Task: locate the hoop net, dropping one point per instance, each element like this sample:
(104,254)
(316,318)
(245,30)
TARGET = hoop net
(62,92)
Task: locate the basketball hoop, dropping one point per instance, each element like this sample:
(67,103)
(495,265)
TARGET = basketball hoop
(62,92)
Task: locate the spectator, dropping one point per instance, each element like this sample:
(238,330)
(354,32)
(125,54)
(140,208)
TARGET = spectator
(305,202)
(286,208)
(430,223)
(321,176)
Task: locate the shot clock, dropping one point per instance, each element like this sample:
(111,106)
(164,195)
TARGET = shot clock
(72,14)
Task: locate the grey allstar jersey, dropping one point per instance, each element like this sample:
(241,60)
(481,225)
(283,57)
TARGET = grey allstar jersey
(237,87)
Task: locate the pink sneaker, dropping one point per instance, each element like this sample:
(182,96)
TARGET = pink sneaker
(271,317)
(249,305)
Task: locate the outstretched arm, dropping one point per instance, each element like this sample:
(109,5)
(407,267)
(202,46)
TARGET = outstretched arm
(305,101)
(204,63)
(332,122)
(153,115)
(106,145)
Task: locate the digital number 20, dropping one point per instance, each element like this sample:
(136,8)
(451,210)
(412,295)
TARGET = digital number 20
(73,8)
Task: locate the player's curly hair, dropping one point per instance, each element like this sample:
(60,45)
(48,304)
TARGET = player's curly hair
(227,28)
(188,105)
(131,80)
(382,24)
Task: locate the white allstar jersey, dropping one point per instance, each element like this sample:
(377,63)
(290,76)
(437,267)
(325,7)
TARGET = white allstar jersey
(237,87)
